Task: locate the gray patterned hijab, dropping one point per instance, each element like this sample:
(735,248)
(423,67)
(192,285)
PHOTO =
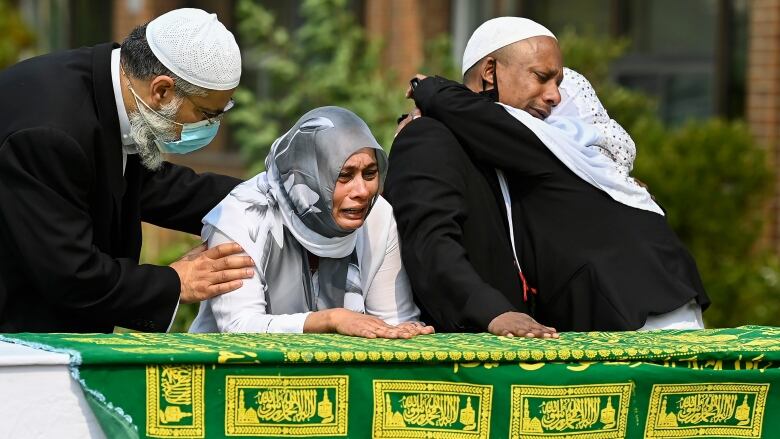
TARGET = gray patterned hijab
(290,205)
(312,154)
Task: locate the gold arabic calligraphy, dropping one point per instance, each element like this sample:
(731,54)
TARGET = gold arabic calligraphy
(430,409)
(176,383)
(570,413)
(278,405)
(710,408)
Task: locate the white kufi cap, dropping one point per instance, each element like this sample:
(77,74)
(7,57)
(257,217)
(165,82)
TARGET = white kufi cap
(195,46)
(497,33)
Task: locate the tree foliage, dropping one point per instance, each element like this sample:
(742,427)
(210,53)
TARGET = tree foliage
(15,35)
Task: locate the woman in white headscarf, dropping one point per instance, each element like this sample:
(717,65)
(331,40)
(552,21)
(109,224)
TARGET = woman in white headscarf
(579,101)
(322,263)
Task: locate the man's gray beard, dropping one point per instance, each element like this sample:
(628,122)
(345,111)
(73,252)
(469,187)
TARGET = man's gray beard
(147,127)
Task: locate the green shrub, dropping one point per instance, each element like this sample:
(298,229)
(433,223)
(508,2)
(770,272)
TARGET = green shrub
(713,180)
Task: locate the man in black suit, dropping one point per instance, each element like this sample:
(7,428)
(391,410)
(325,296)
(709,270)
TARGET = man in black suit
(454,241)
(598,264)
(453,225)
(81,136)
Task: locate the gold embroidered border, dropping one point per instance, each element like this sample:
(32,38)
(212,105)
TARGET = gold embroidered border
(658,425)
(382,428)
(159,420)
(522,425)
(592,346)
(236,425)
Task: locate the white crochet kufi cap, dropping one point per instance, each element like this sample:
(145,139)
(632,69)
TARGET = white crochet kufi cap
(497,33)
(195,46)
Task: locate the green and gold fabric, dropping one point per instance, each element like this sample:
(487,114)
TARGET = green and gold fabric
(599,385)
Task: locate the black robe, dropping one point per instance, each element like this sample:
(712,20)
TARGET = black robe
(597,264)
(70,222)
(454,240)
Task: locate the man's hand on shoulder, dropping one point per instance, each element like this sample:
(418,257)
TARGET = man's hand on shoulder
(208,273)
(511,324)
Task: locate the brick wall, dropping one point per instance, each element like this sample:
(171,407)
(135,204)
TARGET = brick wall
(763,94)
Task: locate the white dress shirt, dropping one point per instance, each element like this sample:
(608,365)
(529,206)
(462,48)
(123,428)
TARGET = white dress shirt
(128,145)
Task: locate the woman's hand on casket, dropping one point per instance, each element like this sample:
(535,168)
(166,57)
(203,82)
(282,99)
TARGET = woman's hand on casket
(346,322)
(416,328)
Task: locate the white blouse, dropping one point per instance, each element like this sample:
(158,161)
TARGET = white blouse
(387,292)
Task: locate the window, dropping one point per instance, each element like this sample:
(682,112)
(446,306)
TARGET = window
(689,54)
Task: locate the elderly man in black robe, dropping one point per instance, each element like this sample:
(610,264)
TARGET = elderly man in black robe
(595,263)
(82,138)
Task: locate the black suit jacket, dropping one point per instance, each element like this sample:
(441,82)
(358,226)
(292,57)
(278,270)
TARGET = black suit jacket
(597,264)
(70,222)
(454,241)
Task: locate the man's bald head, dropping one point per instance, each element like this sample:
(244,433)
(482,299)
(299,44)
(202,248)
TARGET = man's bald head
(528,74)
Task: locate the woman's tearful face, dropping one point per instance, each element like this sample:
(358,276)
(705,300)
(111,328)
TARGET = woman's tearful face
(356,187)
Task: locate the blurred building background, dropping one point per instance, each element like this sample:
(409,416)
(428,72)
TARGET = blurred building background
(699,59)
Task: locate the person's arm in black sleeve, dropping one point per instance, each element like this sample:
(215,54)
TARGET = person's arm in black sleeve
(175,197)
(483,127)
(425,186)
(46,182)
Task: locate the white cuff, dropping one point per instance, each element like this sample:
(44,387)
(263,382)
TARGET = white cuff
(288,323)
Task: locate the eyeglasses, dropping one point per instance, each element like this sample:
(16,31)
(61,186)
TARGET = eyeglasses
(212,116)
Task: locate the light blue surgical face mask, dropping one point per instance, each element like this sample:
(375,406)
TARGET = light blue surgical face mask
(194,136)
